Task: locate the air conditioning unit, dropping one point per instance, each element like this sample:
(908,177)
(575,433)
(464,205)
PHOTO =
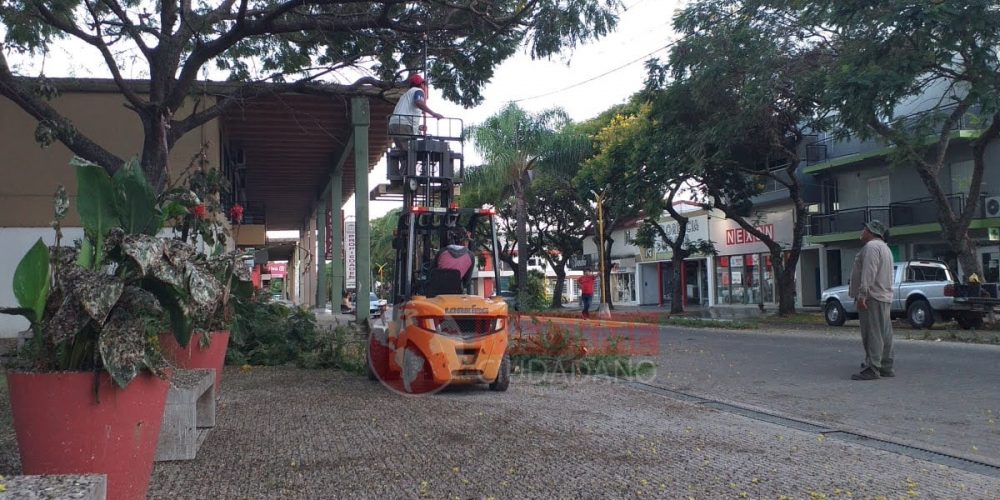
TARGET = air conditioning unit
(992,206)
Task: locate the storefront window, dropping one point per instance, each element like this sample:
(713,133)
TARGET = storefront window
(742,279)
(623,287)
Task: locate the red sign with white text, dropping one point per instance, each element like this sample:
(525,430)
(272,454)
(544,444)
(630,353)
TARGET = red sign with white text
(740,236)
(277,269)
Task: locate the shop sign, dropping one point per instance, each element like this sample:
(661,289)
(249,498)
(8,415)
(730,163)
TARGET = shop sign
(697,229)
(351,259)
(732,239)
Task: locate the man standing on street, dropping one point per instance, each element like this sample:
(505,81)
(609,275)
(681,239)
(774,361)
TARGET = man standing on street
(586,283)
(871,288)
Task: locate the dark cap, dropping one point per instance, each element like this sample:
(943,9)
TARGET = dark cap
(458,235)
(875,227)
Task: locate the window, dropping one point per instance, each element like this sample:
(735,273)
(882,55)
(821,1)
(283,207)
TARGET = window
(878,192)
(927,273)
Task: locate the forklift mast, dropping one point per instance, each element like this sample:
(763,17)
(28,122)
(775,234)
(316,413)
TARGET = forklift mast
(426,177)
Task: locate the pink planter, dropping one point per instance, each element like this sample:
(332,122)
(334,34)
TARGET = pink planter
(196,357)
(62,428)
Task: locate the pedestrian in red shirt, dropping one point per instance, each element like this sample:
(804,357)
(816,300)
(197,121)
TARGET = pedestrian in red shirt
(586,283)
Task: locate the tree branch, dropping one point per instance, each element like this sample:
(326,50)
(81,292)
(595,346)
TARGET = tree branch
(109,60)
(79,144)
(134,31)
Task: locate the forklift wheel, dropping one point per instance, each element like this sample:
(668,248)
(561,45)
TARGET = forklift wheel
(503,376)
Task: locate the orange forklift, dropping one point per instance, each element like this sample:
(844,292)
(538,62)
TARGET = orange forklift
(439,332)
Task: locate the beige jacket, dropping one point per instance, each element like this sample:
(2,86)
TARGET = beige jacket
(871,276)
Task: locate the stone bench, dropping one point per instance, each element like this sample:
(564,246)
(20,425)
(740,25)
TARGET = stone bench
(188,415)
(81,487)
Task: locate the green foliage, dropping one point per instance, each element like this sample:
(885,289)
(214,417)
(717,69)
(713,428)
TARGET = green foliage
(135,201)
(31,280)
(97,207)
(536,298)
(99,305)
(514,143)
(271,334)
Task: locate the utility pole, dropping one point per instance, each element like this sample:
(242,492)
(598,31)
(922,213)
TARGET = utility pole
(603,311)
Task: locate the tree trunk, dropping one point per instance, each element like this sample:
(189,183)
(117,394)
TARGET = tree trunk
(560,270)
(521,214)
(964,247)
(155,150)
(784,274)
(677,294)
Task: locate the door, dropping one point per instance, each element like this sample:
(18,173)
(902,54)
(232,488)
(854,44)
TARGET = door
(878,193)
(650,284)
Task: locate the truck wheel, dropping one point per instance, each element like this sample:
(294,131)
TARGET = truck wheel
(834,313)
(920,314)
(503,376)
(969,320)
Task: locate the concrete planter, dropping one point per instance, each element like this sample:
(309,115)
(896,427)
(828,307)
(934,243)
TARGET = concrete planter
(195,357)
(62,427)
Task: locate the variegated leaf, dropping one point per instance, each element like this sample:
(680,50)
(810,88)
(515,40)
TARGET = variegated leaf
(98,294)
(66,321)
(144,250)
(206,291)
(122,345)
(178,252)
(166,272)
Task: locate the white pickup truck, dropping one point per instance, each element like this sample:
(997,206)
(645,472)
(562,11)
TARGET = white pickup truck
(923,292)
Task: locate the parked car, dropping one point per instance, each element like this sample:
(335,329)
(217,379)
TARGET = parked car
(376,305)
(923,291)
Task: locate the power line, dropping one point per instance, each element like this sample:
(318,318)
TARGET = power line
(602,75)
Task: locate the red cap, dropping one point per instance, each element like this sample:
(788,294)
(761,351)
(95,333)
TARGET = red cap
(416,79)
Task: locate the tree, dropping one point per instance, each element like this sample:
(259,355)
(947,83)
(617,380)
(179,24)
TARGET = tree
(559,216)
(890,52)
(512,143)
(383,256)
(295,43)
(740,93)
(610,175)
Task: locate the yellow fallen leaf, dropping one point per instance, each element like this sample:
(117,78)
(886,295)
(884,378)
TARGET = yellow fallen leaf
(754,481)
(743,494)
(821,438)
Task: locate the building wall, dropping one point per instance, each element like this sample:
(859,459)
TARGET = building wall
(31,173)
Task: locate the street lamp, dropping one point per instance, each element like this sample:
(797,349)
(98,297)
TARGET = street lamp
(603,311)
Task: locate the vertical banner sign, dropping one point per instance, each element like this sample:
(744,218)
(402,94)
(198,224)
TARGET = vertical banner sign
(349,250)
(329,235)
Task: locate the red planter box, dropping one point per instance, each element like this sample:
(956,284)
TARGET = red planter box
(196,357)
(62,428)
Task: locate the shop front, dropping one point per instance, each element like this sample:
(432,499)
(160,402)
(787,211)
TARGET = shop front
(744,273)
(656,268)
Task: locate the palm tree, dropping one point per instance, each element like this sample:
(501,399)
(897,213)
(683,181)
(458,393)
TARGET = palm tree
(513,143)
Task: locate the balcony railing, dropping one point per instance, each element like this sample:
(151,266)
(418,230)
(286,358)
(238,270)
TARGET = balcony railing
(834,147)
(900,213)
(852,219)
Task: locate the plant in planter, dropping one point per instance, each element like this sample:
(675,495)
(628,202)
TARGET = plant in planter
(204,225)
(83,392)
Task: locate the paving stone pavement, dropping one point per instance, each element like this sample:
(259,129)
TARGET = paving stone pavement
(288,433)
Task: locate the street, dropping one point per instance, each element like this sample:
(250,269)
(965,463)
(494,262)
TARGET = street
(944,396)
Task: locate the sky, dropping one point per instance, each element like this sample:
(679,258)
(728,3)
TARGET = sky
(586,82)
